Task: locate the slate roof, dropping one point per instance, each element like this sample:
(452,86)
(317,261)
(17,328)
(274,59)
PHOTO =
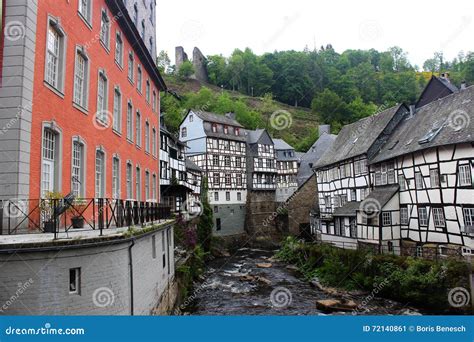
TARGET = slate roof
(217,118)
(382,194)
(254,135)
(315,152)
(349,209)
(452,115)
(191,165)
(448,84)
(356,138)
(281,144)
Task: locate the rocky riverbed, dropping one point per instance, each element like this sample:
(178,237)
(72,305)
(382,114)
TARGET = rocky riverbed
(252,282)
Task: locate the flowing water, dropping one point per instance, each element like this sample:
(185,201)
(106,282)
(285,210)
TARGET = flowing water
(236,285)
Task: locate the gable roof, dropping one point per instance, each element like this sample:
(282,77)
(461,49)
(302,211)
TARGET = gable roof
(308,159)
(281,144)
(437,87)
(450,119)
(355,139)
(253,136)
(381,195)
(191,165)
(216,118)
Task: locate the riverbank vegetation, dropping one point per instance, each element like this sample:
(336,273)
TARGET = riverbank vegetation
(420,282)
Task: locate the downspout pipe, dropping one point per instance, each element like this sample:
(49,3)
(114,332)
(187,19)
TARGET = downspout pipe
(130,261)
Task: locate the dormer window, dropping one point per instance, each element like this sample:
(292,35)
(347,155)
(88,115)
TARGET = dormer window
(237,131)
(214,128)
(226,130)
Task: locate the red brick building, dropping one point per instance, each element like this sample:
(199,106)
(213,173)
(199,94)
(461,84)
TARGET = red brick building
(80,102)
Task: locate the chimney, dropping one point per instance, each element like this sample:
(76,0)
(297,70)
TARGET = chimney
(463,85)
(412,110)
(445,76)
(324,129)
(230,115)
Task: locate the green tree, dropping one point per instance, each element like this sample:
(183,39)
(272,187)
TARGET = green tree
(163,62)
(329,106)
(206,220)
(185,70)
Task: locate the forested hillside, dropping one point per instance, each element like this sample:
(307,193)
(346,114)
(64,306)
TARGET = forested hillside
(315,86)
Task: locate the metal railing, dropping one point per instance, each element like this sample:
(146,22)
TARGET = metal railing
(22,216)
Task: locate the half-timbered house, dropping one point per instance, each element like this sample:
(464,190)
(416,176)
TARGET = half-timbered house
(432,211)
(287,169)
(411,190)
(343,174)
(217,144)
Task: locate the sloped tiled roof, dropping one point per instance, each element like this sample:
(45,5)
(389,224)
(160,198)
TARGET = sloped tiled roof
(349,209)
(216,118)
(281,144)
(191,165)
(309,159)
(452,115)
(382,194)
(254,135)
(356,138)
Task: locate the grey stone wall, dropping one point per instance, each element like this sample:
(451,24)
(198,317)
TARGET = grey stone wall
(261,212)
(231,223)
(300,205)
(16,94)
(200,66)
(105,286)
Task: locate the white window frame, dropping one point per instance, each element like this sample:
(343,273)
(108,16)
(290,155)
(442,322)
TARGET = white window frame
(464,175)
(55,58)
(81,78)
(119,49)
(105,25)
(419,181)
(102,98)
(423,216)
(129,179)
(138,183)
(438,217)
(100,174)
(84,9)
(130,118)
(117,115)
(386,218)
(78,167)
(404,216)
(434,178)
(116,177)
(138,129)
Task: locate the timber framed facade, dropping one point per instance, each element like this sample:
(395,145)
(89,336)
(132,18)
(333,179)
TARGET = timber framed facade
(217,145)
(411,191)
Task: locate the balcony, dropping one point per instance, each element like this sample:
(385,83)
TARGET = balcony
(64,215)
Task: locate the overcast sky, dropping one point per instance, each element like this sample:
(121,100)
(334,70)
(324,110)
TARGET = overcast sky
(218,27)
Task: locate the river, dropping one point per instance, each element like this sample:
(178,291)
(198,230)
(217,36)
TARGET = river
(251,282)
